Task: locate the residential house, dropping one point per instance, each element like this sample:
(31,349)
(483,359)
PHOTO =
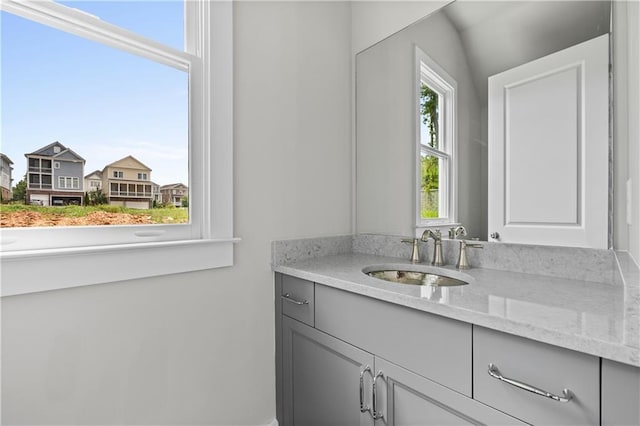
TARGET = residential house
(155,193)
(5,177)
(93,181)
(55,176)
(174,193)
(127,183)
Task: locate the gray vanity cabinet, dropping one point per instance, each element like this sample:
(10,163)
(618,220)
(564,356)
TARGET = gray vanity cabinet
(321,378)
(329,382)
(324,379)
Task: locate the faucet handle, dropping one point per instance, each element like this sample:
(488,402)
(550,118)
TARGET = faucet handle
(415,254)
(463,262)
(458,231)
(430,233)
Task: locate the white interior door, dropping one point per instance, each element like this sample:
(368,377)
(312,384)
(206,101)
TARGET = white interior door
(548,149)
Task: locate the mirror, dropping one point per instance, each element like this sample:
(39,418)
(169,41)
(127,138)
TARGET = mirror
(470,41)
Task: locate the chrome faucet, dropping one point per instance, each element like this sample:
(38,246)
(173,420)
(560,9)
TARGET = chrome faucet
(437,245)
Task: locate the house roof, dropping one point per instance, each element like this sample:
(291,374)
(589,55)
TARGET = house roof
(127,162)
(7,159)
(64,152)
(173,186)
(97,173)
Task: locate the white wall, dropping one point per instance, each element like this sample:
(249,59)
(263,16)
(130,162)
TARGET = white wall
(198,348)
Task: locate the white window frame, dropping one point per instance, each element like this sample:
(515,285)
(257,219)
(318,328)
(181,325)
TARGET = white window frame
(68,182)
(142,176)
(151,250)
(117,174)
(433,75)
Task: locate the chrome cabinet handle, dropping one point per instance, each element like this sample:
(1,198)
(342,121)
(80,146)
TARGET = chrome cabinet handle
(495,373)
(376,413)
(364,408)
(290,299)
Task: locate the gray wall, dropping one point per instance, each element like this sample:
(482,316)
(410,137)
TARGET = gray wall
(386,144)
(68,169)
(198,348)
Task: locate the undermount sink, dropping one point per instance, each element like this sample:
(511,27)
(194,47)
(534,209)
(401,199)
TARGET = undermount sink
(413,277)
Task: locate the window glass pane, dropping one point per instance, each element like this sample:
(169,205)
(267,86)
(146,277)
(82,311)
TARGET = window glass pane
(429,117)
(430,187)
(72,99)
(162,21)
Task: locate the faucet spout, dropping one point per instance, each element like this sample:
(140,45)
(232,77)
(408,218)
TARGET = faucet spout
(437,245)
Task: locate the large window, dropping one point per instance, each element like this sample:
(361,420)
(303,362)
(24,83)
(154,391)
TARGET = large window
(180,89)
(65,182)
(436,115)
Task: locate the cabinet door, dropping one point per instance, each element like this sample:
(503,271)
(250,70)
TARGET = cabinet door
(548,149)
(620,394)
(322,378)
(404,399)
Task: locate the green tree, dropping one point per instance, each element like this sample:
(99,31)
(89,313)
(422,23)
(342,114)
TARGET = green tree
(185,201)
(20,190)
(95,198)
(429,112)
(430,173)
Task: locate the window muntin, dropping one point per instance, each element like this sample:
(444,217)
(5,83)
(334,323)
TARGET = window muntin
(436,143)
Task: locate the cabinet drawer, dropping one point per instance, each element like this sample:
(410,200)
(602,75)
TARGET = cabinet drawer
(539,365)
(297,299)
(429,345)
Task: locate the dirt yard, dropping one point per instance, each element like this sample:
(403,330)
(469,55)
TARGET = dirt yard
(19,219)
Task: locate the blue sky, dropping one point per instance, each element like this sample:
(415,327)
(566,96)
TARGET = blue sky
(102,103)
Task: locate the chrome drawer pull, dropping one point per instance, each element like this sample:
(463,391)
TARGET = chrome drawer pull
(290,299)
(363,408)
(376,413)
(495,373)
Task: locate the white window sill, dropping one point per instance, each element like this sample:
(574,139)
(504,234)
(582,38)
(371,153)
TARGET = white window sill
(34,271)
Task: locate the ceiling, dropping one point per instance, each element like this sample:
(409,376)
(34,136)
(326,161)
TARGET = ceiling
(499,35)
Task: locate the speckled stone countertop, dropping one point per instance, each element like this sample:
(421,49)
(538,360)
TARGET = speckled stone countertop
(598,318)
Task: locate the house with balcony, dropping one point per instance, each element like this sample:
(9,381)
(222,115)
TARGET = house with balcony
(55,176)
(174,193)
(127,183)
(6,169)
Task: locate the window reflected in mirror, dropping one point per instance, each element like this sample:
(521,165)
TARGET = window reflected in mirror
(436,143)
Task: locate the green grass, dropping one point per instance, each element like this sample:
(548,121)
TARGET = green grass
(158,215)
(425,213)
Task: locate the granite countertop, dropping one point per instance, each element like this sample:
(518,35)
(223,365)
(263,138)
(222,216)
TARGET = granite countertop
(597,318)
